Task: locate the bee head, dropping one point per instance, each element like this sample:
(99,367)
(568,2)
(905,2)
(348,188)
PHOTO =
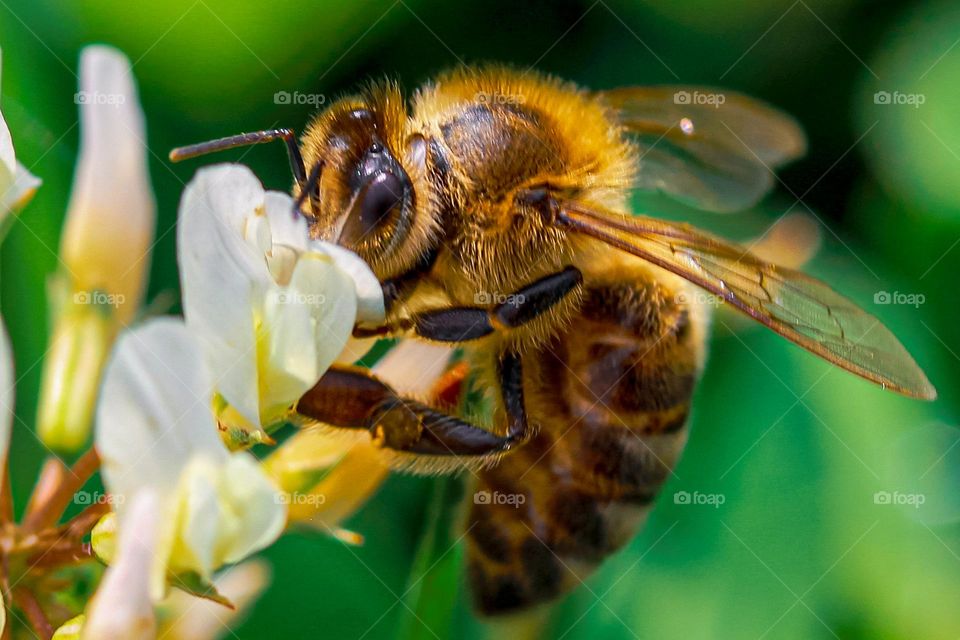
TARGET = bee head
(360,191)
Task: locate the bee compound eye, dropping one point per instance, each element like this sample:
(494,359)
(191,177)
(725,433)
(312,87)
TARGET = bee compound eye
(378,203)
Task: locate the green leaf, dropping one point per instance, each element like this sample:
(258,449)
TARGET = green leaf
(431,592)
(195,585)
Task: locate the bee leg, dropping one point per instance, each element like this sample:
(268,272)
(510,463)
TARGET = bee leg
(458,324)
(351,398)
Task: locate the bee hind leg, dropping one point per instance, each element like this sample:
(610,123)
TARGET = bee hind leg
(352,398)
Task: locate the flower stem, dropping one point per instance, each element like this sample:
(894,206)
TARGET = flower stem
(6,500)
(49,512)
(31,607)
(51,476)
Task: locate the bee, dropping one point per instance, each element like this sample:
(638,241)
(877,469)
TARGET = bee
(493,207)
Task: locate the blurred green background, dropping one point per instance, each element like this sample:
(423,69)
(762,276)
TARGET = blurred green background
(800,548)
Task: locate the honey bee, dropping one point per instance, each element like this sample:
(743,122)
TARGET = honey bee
(494,209)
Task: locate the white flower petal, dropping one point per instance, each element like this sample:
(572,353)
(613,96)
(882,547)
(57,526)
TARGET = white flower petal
(228,511)
(223,278)
(370,305)
(286,228)
(111,216)
(8,158)
(122,606)
(306,326)
(201,518)
(253,495)
(155,409)
(16,183)
(412,367)
(7,394)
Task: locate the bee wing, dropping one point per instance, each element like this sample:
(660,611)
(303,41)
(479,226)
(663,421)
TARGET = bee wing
(715,150)
(796,306)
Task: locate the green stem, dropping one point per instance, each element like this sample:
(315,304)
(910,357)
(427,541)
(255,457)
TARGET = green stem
(432,590)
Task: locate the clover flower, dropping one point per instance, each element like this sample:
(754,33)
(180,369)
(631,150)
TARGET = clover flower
(156,432)
(272,308)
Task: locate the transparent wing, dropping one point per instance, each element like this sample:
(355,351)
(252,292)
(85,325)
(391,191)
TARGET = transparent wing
(713,149)
(796,306)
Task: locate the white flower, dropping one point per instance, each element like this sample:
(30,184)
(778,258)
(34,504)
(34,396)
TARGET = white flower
(17,184)
(156,431)
(272,308)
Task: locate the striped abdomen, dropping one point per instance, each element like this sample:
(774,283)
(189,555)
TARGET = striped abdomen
(609,398)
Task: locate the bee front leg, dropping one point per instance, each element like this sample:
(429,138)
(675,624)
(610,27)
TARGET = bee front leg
(460,324)
(351,397)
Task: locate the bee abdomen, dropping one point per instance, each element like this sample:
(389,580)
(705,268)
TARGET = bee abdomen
(610,398)
(536,534)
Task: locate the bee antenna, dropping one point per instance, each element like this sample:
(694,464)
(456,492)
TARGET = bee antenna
(307,188)
(246,139)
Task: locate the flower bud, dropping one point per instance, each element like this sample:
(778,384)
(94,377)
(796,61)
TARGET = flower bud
(78,348)
(104,248)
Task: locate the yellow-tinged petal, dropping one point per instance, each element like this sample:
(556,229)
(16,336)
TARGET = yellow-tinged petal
(122,606)
(103,537)
(71,629)
(302,459)
(111,216)
(342,491)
